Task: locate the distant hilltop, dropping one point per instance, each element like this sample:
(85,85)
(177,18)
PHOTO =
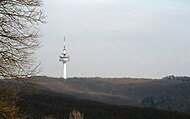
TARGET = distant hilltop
(172,77)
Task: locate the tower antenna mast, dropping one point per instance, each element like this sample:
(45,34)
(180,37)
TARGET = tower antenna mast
(64,42)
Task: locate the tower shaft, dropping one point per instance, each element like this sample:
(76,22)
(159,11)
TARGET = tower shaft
(64,71)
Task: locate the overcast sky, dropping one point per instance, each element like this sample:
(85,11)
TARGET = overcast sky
(117,38)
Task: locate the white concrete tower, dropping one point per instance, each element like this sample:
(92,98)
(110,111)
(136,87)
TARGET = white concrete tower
(64,58)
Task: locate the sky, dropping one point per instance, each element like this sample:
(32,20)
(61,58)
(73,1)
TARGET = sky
(116,38)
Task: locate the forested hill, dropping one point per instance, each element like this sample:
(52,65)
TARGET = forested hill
(59,106)
(100,98)
(169,93)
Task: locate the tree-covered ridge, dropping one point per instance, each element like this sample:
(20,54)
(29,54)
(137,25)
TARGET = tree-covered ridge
(158,93)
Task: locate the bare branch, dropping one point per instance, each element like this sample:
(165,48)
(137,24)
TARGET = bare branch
(19,33)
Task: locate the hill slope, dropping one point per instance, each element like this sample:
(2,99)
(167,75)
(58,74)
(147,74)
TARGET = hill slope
(41,103)
(168,93)
(41,100)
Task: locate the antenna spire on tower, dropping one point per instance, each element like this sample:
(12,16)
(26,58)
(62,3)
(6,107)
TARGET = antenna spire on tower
(64,42)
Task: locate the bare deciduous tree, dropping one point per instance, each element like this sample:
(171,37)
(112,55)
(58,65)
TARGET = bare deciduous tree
(48,117)
(75,115)
(8,108)
(19,32)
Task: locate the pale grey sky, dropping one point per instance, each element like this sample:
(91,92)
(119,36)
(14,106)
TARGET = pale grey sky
(117,38)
